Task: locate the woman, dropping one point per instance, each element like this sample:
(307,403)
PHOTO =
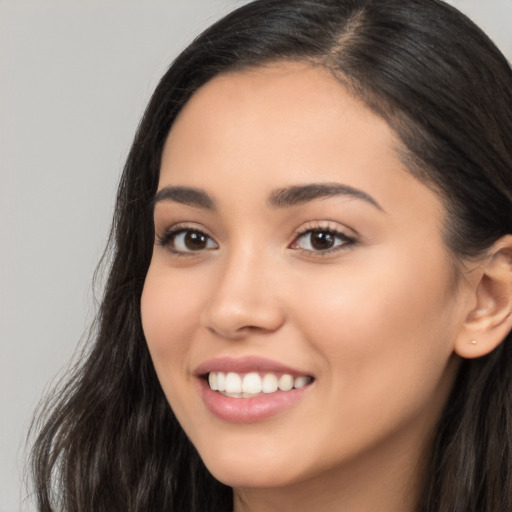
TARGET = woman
(311,288)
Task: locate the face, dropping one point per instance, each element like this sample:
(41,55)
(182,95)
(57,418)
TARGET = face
(294,250)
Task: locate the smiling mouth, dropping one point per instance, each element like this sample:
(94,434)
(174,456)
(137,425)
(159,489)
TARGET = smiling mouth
(254,384)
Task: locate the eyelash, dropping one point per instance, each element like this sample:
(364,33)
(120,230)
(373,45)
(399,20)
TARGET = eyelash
(168,237)
(347,241)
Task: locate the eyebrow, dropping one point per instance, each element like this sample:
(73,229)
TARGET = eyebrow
(299,194)
(185,195)
(280,198)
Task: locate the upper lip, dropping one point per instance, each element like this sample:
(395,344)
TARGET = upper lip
(245,365)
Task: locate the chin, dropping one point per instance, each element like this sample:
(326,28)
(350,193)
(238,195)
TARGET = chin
(251,477)
(240,470)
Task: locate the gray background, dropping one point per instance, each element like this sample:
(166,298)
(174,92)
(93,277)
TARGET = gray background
(75,77)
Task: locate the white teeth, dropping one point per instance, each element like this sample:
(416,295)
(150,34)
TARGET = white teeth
(300,382)
(221,381)
(212,380)
(285,382)
(269,384)
(252,384)
(233,383)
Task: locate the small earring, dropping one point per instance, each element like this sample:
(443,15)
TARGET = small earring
(473,342)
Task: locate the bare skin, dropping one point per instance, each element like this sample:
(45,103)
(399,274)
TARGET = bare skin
(354,289)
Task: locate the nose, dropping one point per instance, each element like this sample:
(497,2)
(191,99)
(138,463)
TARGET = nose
(244,299)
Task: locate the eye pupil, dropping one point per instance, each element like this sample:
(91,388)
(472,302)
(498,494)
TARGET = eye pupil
(322,240)
(195,241)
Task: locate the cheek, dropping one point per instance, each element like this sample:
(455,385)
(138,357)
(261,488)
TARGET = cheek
(384,346)
(380,298)
(169,315)
(170,312)
(386,327)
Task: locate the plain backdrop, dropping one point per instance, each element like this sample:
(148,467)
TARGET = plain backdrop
(75,76)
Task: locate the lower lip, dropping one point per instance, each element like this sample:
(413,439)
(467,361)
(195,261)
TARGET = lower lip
(249,410)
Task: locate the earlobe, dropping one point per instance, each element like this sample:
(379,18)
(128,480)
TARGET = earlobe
(490,320)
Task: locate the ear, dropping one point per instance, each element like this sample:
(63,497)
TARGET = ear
(490,319)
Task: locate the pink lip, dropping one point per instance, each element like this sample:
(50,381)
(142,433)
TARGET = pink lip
(245,365)
(247,410)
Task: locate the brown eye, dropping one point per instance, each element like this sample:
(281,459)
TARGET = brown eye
(322,241)
(195,240)
(187,241)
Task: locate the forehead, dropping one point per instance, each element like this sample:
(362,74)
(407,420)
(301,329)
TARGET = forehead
(284,125)
(276,110)
(279,84)
(307,98)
